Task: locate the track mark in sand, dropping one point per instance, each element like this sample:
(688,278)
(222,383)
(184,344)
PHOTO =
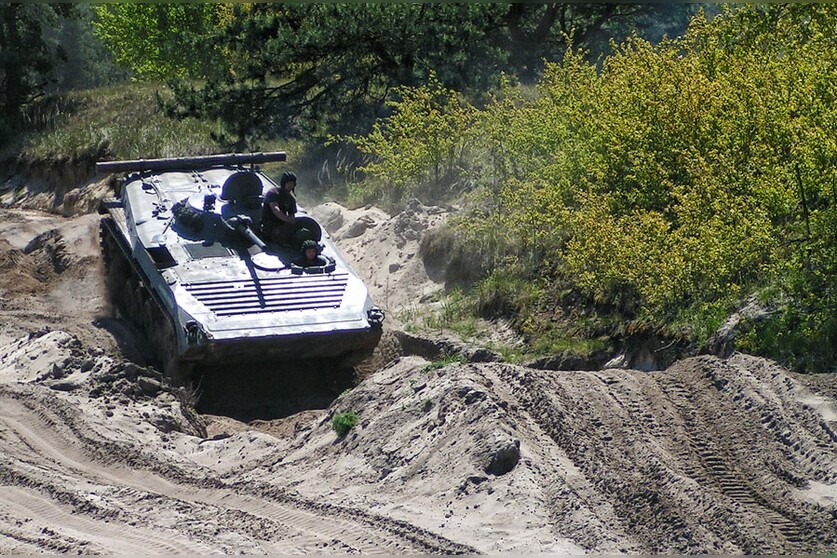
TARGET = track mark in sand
(719,469)
(82,533)
(20,542)
(588,515)
(578,511)
(110,485)
(59,488)
(687,470)
(362,531)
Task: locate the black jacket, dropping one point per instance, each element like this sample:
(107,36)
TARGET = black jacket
(286,202)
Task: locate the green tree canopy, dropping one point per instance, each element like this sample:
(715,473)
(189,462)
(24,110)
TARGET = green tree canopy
(276,69)
(88,62)
(327,66)
(160,41)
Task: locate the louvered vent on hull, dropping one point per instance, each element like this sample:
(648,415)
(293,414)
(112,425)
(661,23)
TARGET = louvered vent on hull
(277,294)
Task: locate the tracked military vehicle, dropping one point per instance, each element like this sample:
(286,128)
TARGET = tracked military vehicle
(185,263)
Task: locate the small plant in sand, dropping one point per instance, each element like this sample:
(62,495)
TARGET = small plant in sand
(343,422)
(443,361)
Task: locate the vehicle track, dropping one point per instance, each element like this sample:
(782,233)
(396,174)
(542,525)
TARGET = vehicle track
(138,305)
(77,528)
(715,467)
(681,477)
(117,483)
(779,432)
(583,513)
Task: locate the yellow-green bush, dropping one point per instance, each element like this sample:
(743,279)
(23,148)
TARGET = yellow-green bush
(681,175)
(417,151)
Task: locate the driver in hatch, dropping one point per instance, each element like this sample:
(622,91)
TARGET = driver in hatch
(279,223)
(310,255)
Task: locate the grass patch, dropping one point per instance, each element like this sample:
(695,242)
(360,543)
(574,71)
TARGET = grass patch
(556,345)
(454,312)
(796,337)
(121,122)
(443,361)
(699,322)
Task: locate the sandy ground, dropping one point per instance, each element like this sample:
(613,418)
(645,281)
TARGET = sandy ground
(99,455)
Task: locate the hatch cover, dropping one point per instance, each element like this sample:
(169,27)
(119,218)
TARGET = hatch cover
(200,251)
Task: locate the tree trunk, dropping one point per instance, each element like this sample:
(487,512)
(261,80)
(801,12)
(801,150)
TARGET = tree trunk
(527,47)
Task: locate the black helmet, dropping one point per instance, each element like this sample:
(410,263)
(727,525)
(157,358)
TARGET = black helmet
(310,244)
(287,177)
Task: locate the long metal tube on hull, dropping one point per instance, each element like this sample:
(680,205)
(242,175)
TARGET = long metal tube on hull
(176,163)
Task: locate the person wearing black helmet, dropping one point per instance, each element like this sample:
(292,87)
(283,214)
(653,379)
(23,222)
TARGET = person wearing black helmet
(279,222)
(310,255)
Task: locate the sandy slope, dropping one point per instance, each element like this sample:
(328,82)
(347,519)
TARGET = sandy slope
(97,455)
(384,250)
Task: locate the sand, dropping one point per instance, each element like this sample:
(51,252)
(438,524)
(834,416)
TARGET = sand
(98,454)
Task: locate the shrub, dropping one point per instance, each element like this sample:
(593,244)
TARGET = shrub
(419,150)
(343,422)
(662,184)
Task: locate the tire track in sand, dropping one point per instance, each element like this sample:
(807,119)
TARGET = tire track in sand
(686,468)
(746,434)
(236,516)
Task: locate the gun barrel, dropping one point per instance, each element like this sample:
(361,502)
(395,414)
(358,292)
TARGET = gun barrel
(248,232)
(186,163)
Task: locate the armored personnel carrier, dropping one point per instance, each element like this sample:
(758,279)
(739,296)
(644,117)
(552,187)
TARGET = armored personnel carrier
(185,263)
